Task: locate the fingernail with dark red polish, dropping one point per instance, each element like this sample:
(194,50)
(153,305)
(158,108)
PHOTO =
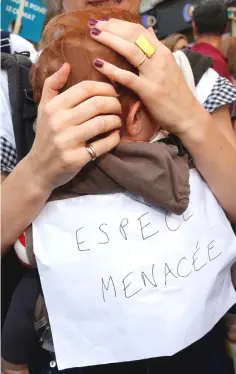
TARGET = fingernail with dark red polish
(95,31)
(92,22)
(105,19)
(98,63)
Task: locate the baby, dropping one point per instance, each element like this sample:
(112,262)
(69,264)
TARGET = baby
(156,170)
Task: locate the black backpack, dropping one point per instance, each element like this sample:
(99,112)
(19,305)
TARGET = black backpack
(23,107)
(24,112)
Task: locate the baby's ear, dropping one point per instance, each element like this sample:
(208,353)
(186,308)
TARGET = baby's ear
(133,125)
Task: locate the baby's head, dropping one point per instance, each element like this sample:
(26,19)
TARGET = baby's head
(67,38)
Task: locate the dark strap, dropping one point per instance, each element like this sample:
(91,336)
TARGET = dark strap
(23,108)
(175,140)
(199,64)
(5,42)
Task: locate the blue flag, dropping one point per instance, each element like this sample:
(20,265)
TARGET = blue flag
(33,18)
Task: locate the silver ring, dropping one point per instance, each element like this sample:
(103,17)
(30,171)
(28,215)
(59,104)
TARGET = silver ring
(142,61)
(91,151)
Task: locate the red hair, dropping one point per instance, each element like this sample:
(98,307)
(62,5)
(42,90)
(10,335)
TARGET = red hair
(68,40)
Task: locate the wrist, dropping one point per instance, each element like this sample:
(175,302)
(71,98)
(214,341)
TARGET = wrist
(197,127)
(36,176)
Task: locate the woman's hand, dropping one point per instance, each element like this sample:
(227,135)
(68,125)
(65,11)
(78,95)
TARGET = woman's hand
(160,84)
(67,122)
(162,88)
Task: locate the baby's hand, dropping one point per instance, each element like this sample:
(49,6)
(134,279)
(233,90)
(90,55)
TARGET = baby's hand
(231,326)
(8,368)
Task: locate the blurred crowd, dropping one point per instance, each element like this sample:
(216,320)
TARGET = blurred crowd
(210,30)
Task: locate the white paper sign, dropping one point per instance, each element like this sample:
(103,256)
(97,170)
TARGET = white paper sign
(124,281)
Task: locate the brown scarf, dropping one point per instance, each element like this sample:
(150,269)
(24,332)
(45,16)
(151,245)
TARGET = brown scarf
(154,171)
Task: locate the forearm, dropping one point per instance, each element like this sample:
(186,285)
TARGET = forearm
(215,158)
(23,197)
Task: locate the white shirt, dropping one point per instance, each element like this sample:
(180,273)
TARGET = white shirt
(19,44)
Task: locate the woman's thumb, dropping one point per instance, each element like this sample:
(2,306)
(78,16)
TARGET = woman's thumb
(55,83)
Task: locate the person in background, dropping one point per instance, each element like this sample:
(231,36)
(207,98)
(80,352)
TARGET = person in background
(176,42)
(210,20)
(13,43)
(228,47)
